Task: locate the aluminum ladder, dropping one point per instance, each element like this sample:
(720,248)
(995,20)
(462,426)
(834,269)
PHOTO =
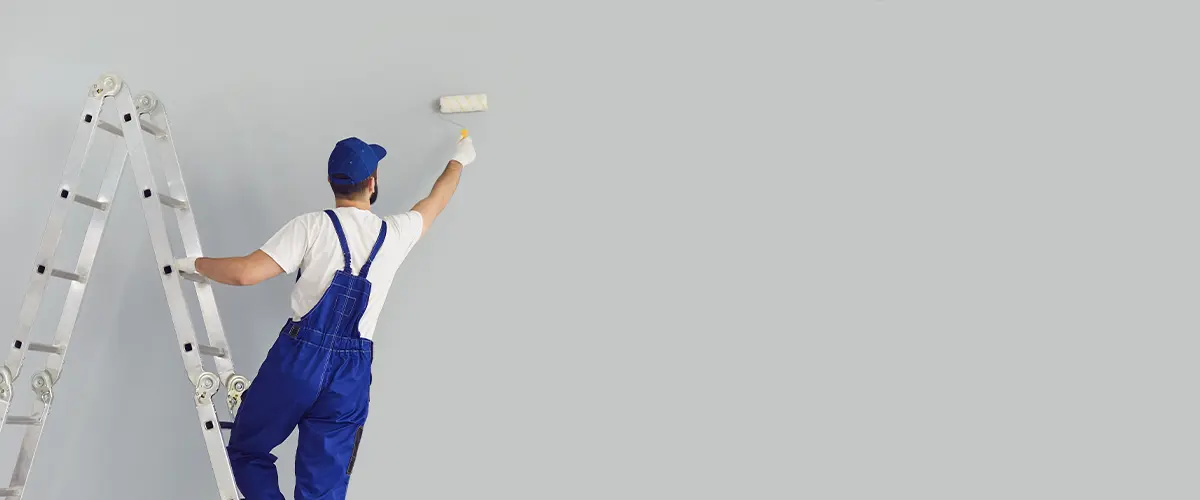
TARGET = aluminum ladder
(139,115)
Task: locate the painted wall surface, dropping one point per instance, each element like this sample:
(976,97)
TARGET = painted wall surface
(748,250)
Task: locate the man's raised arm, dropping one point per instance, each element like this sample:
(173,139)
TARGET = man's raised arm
(446,184)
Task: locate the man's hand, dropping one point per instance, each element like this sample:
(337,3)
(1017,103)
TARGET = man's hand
(465,153)
(186,265)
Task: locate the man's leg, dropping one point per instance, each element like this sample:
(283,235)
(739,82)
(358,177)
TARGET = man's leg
(333,428)
(285,387)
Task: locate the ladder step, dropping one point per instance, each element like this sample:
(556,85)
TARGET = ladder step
(115,130)
(208,350)
(53,349)
(193,277)
(110,128)
(98,205)
(226,425)
(22,420)
(59,273)
(10,491)
(172,202)
(153,129)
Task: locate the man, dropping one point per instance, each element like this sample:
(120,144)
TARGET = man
(317,375)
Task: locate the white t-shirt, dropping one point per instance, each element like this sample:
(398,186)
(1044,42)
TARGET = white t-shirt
(309,243)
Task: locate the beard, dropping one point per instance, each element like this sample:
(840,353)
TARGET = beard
(374,195)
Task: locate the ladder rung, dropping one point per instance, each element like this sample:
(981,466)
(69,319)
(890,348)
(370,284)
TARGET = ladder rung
(152,129)
(172,202)
(53,349)
(226,425)
(59,273)
(84,200)
(115,130)
(110,128)
(10,491)
(193,277)
(208,350)
(22,420)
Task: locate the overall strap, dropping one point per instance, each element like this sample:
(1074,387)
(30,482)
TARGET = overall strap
(337,226)
(378,245)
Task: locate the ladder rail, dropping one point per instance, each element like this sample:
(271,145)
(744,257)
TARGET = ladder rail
(144,176)
(205,383)
(85,133)
(190,235)
(214,441)
(67,321)
(87,257)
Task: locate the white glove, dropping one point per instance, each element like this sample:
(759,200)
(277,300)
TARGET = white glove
(186,265)
(465,153)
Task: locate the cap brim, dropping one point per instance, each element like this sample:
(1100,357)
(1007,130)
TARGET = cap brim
(379,151)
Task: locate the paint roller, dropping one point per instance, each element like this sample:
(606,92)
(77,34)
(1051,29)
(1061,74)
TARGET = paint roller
(469,103)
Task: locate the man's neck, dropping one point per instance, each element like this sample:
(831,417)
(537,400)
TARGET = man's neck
(359,204)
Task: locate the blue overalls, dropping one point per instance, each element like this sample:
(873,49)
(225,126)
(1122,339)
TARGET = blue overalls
(317,376)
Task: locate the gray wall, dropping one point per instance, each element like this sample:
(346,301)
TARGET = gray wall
(833,250)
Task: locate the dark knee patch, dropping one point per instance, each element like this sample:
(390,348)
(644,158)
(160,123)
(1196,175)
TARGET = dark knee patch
(354,451)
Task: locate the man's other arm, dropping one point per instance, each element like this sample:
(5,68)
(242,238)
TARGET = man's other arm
(239,271)
(281,254)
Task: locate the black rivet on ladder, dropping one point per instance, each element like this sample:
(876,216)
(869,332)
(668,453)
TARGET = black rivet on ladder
(41,270)
(145,193)
(87,118)
(187,347)
(128,117)
(166,269)
(208,425)
(63,194)
(17,344)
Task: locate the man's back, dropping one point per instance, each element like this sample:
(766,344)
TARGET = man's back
(309,243)
(317,375)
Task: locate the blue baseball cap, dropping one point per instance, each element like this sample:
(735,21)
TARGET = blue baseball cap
(353,161)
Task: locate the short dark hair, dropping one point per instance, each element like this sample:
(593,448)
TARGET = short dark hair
(347,191)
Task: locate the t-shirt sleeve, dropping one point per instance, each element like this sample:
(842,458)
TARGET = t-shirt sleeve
(289,245)
(409,225)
